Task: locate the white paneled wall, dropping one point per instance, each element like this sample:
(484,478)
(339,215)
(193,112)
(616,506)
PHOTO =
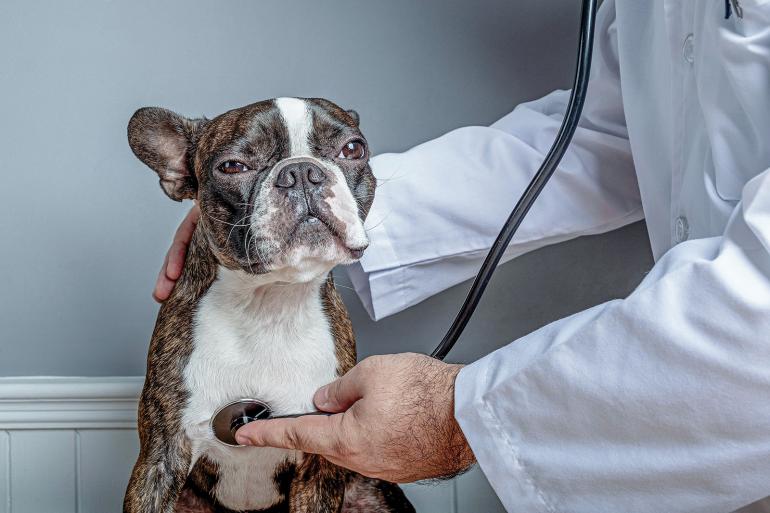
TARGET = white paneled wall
(67,445)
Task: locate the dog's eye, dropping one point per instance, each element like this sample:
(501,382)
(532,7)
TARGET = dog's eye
(353,150)
(233,166)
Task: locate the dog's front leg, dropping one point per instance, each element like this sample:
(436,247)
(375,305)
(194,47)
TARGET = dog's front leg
(318,487)
(158,476)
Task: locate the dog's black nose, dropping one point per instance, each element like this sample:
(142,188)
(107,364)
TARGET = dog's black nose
(294,174)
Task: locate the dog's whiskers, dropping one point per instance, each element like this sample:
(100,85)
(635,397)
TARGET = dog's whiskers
(239,225)
(225,222)
(370,228)
(262,258)
(385,181)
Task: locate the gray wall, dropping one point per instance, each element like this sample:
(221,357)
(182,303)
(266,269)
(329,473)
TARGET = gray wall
(84,225)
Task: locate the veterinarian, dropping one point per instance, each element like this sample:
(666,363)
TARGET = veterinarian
(657,402)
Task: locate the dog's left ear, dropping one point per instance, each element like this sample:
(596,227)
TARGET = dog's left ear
(165,141)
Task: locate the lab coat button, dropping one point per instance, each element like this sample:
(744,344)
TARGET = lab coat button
(682,229)
(689,48)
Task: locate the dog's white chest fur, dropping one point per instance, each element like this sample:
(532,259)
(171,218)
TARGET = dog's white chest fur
(264,341)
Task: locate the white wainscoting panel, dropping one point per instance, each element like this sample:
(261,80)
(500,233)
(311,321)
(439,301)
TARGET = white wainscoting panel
(102,484)
(67,445)
(43,476)
(5,472)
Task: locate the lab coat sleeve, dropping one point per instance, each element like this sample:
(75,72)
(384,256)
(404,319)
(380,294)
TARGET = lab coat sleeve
(658,402)
(439,206)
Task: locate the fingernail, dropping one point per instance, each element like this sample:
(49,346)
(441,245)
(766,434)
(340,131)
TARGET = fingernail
(322,397)
(242,440)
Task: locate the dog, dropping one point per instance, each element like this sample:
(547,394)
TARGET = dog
(284,187)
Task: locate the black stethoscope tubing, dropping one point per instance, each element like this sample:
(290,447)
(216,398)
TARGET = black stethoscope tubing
(535,187)
(225,422)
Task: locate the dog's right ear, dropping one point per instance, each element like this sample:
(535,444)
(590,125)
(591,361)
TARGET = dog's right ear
(165,141)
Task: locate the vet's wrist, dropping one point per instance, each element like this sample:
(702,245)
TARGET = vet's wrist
(459,450)
(446,452)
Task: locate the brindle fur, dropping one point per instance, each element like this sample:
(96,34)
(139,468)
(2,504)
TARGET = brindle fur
(162,480)
(164,457)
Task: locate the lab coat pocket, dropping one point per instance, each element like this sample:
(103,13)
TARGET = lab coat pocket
(732,170)
(733,78)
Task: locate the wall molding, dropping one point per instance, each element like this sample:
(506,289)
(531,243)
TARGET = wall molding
(69,402)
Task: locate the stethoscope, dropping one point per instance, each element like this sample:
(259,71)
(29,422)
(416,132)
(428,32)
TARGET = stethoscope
(228,419)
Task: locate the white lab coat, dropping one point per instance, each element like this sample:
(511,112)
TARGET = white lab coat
(659,402)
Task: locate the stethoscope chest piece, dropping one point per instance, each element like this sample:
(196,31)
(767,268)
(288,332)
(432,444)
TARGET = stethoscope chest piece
(228,419)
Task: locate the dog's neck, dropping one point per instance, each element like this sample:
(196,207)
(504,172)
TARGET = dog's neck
(256,309)
(269,292)
(278,302)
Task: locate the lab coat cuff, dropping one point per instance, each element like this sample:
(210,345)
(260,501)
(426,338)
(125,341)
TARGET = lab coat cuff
(381,292)
(497,456)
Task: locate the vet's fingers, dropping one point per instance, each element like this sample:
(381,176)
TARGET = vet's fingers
(178,252)
(175,260)
(185,231)
(163,286)
(342,393)
(312,434)
(163,289)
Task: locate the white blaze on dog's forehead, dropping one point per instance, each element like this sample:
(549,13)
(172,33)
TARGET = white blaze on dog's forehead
(298,121)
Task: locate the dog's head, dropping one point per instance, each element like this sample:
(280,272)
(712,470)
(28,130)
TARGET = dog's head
(283,185)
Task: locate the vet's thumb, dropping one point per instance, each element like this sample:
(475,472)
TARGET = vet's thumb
(339,395)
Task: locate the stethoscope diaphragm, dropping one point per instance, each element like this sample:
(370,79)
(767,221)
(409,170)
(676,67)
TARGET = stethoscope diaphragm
(233,416)
(229,418)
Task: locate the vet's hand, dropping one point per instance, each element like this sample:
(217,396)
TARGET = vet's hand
(396,421)
(174,262)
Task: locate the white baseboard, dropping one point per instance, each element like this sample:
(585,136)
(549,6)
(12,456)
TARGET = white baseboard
(69,402)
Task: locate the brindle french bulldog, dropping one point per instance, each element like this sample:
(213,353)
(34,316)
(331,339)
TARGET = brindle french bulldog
(283,187)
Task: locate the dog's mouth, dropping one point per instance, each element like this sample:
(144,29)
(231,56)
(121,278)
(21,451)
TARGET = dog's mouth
(309,241)
(313,228)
